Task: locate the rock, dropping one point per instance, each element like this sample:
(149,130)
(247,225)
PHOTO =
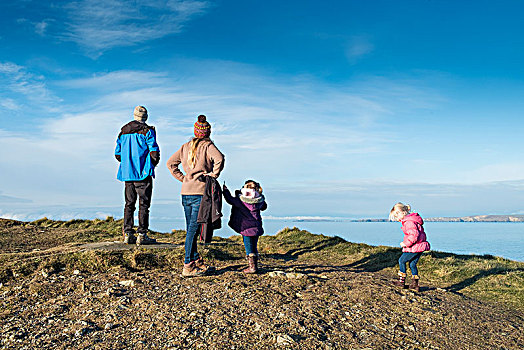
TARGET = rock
(127,283)
(284,339)
(277,274)
(76,272)
(81,332)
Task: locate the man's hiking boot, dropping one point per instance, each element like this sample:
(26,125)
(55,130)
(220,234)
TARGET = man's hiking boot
(252,260)
(202,266)
(144,239)
(414,284)
(401,282)
(191,270)
(129,238)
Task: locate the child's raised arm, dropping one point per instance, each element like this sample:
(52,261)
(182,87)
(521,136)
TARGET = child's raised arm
(227,195)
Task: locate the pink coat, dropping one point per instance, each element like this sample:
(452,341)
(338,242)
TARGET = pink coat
(414,235)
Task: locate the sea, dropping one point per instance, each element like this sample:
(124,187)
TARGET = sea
(504,239)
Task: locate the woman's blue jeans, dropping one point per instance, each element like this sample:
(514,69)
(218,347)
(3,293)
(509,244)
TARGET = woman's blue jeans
(191,204)
(412,258)
(250,243)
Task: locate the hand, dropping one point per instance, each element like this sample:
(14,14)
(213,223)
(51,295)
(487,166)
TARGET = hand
(402,244)
(210,174)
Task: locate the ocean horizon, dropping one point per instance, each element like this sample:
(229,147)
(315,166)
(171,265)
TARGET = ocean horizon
(504,239)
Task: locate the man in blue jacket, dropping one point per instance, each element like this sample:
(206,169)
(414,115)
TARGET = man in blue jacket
(138,154)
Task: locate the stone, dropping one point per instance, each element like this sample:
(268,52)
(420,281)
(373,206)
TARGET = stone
(277,274)
(127,283)
(284,339)
(81,332)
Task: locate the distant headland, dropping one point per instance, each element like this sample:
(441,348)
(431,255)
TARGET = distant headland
(474,218)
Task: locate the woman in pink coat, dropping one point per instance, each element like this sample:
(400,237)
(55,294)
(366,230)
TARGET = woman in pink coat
(413,245)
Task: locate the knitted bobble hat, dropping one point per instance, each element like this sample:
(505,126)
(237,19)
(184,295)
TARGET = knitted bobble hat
(140,114)
(202,127)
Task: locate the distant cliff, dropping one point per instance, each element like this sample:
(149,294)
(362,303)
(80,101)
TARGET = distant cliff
(480,218)
(475,218)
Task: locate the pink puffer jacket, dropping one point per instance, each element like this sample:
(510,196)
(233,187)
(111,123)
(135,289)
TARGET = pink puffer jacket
(414,235)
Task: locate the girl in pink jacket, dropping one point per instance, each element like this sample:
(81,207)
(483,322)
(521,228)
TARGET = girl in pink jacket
(413,245)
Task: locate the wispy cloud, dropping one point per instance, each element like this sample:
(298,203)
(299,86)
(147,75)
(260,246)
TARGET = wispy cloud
(17,80)
(9,104)
(290,134)
(99,25)
(358,47)
(10,200)
(375,198)
(278,122)
(41,27)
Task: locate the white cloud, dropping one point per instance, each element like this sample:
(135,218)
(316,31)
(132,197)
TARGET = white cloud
(358,47)
(99,25)
(26,87)
(41,27)
(118,80)
(506,171)
(10,104)
(290,134)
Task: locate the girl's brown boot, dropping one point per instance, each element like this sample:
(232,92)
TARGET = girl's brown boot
(401,282)
(414,284)
(252,260)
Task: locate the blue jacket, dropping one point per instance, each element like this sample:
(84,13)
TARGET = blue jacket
(137,151)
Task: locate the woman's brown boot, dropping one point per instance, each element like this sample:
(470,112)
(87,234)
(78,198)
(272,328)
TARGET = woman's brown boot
(191,270)
(202,266)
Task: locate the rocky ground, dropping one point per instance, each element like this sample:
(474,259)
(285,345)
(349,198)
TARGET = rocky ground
(62,296)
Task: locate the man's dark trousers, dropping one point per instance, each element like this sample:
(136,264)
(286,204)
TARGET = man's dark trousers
(143,189)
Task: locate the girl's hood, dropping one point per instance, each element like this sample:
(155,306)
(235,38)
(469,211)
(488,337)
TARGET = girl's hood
(414,217)
(250,203)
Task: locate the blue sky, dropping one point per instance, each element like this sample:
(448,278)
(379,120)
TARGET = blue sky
(339,108)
